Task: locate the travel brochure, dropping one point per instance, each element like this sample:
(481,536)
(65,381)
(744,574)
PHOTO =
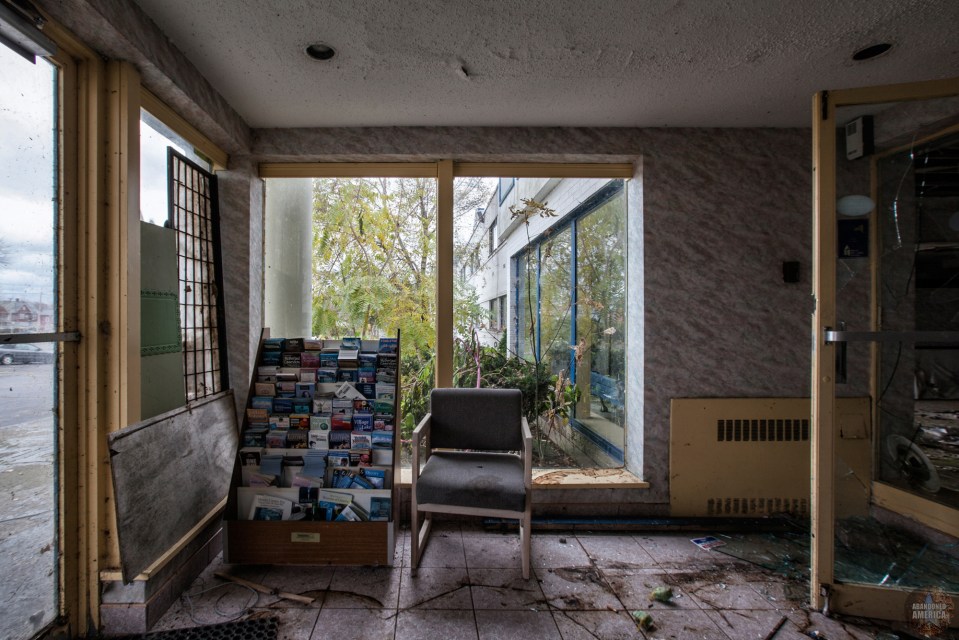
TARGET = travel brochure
(320,428)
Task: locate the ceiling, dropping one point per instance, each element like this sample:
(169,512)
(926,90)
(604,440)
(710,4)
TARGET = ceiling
(724,63)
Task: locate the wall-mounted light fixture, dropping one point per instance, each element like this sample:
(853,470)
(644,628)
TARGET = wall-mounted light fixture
(854,205)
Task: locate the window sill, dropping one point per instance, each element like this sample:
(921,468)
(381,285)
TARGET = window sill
(546,479)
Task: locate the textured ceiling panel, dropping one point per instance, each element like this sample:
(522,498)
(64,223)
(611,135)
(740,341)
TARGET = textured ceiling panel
(552,63)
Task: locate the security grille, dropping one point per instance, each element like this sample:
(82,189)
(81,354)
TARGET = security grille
(195,215)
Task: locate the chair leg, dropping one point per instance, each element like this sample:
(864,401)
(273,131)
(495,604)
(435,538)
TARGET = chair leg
(420,536)
(524,533)
(414,538)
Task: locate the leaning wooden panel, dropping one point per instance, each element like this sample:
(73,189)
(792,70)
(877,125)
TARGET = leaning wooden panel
(168,472)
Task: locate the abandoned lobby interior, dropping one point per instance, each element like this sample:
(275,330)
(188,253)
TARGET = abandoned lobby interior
(714,244)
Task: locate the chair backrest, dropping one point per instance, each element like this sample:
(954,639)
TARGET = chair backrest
(483,419)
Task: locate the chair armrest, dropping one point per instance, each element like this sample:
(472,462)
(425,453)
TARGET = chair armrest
(420,434)
(527,454)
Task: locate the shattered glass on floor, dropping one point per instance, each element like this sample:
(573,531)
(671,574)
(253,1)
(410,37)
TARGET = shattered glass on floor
(867,552)
(785,553)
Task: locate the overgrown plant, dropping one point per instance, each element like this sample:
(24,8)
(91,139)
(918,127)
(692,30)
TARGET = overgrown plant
(495,369)
(559,400)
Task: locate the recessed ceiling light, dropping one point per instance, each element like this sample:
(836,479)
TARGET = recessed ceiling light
(320,51)
(871,51)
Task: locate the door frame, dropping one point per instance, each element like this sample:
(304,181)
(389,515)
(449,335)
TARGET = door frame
(825,592)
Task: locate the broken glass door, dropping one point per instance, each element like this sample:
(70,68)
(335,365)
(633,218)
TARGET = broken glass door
(887,329)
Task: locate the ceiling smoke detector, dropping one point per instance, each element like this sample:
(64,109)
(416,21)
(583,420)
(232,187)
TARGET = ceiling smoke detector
(871,51)
(320,51)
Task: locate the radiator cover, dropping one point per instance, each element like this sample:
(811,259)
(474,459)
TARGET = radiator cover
(749,457)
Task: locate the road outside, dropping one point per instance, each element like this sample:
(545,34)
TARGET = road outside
(27,554)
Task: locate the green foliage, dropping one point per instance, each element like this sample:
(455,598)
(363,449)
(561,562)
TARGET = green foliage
(417,381)
(497,370)
(373,261)
(374,272)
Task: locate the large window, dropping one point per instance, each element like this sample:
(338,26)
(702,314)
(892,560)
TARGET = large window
(183,355)
(355,257)
(363,251)
(576,324)
(559,270)
(600,362)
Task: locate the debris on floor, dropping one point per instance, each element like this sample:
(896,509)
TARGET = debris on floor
(776,628)
(661,594)
(867,552)
(707,543)
(264,589)
(643,620)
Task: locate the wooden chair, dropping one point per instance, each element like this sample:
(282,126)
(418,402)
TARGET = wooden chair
(478,461)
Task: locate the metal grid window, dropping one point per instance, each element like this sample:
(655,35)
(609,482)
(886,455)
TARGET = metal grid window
(195,216)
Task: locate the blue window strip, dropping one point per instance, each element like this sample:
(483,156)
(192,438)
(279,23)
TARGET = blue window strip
(503,192)
(602,443)
(573,299)
(539,301)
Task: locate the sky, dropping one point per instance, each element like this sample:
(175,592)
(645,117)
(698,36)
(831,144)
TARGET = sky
(153,174)
(26,177)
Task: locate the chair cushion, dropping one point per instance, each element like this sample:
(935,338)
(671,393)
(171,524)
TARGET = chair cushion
(482,419)
(481,480)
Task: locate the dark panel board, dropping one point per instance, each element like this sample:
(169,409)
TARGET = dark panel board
(168,473)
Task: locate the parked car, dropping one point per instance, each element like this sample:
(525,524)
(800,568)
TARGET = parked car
(24,354)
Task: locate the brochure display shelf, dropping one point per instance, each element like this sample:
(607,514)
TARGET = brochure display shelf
(277,512)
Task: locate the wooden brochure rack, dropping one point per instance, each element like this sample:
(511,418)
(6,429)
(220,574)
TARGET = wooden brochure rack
(313,541)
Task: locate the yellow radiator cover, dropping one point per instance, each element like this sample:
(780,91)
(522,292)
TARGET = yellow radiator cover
(749,457)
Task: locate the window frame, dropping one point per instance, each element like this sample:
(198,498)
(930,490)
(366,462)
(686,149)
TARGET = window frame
(445,171)
(504,188)
(570,221)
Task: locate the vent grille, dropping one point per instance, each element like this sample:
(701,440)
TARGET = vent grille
(763,430)
(757,506)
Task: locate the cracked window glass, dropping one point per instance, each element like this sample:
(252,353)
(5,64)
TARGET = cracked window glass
(897,272)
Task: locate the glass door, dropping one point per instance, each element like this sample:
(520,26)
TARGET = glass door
(886,331)
(29,362)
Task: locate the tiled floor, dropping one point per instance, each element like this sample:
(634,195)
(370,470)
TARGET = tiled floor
(469,585)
